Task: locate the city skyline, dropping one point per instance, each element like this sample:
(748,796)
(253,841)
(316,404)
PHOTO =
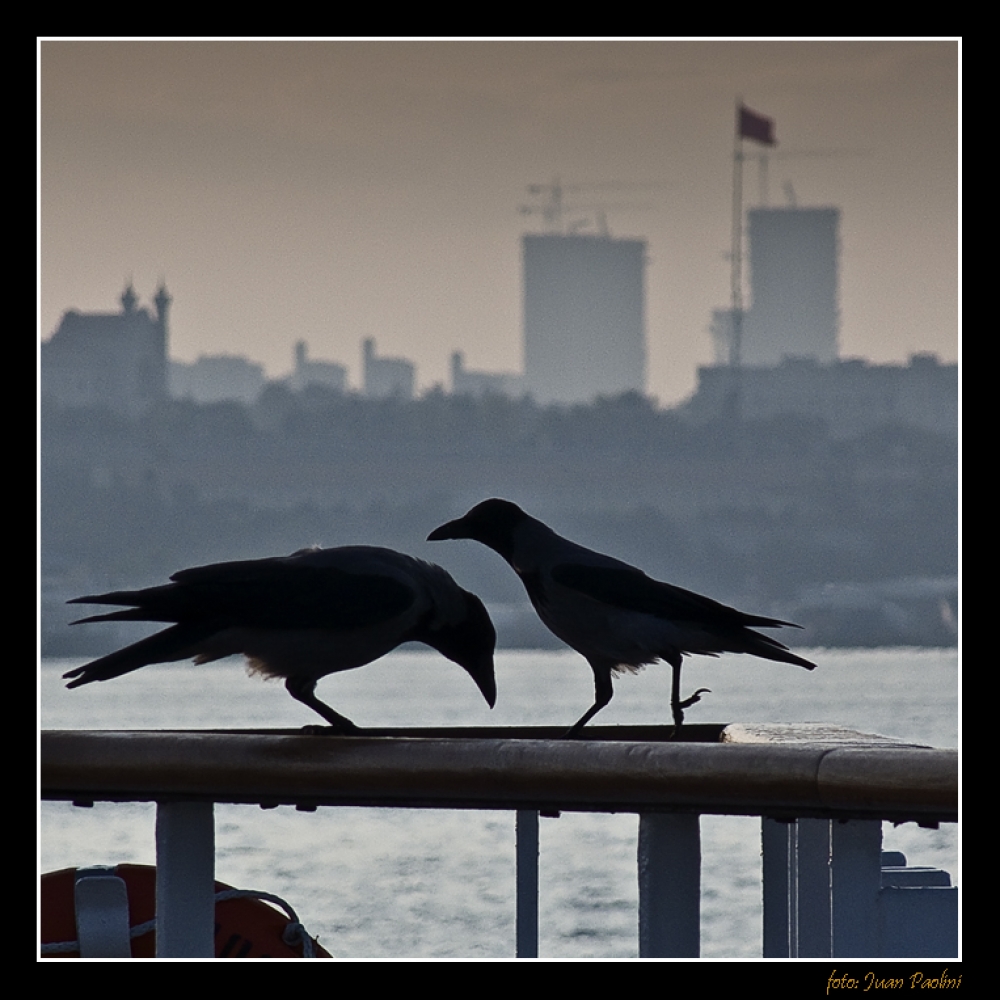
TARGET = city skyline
(335,191)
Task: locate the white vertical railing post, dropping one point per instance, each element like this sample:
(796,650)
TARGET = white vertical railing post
(797,888)
(669,885)
(777,846)
(527,883)
(856,877)
(812,888)
(185,880)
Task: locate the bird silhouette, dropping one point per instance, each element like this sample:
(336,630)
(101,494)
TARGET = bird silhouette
(301,617)
(612,613)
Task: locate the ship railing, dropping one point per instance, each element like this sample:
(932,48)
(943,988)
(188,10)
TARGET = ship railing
(822,793)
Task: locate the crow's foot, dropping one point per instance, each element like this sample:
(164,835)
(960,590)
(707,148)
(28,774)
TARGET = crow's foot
(350,730)
(696,697)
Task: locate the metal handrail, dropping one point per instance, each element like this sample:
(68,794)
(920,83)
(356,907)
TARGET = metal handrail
(765,770)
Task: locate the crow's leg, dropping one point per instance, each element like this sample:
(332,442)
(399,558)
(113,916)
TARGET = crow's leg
(603,691)
(302,688)
(676,705)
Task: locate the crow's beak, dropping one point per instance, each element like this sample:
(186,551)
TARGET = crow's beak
(453,529)
(482,673)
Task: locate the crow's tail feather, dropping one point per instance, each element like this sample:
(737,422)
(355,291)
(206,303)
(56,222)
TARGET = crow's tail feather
(770,649)
(126,615)
(174,643)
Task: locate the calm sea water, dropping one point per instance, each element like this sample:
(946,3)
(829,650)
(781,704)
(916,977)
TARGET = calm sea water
(385,883)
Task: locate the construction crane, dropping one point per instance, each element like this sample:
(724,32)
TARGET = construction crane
(554,209)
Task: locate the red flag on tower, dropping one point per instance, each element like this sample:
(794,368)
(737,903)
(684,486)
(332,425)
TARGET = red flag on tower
(756,127)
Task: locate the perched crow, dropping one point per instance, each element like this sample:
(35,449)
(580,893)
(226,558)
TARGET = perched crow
(301,617)
(610,612)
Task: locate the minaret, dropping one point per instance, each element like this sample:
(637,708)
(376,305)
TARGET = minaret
(129,299)
(162,302)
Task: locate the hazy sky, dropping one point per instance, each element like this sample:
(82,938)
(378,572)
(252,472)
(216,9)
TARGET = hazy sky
(335,190)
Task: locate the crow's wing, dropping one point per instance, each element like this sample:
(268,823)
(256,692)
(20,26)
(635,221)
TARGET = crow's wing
(265,593)
(631,590)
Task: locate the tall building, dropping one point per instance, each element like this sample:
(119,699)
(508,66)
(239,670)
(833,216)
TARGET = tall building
(794,284)
(117,360)
(584,316)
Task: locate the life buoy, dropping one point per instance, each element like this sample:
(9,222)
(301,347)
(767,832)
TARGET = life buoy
(245,925)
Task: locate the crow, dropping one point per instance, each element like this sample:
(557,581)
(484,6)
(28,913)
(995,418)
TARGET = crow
(301,617)
(611,613)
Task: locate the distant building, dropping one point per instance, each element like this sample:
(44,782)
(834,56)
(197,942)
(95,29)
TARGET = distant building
(851,395)
(215,377)
(386,378)
(794,286)
(584,316)
(721,329)
(472,383)
(117,360)
(325,373)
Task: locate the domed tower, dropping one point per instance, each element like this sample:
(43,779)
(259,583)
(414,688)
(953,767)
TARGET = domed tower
(162,302)
(129,299)
(158,371)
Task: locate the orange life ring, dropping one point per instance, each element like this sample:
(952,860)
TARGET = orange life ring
(245,927)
